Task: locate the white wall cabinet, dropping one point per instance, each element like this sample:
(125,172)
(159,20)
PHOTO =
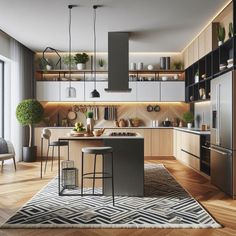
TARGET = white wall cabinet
(148,91)
(48,91)
(173,91)
(152,91)
(79,86)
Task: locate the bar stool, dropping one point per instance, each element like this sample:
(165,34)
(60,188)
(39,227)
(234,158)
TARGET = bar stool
(94,175)
(46,134)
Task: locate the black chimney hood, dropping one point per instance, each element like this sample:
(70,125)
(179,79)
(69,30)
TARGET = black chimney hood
(118,62)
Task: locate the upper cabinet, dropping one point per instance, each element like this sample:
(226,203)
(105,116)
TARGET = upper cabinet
(173,91)
(148,91)
(48,91)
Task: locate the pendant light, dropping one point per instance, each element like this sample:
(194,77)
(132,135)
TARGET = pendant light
(70,91)
(94,93)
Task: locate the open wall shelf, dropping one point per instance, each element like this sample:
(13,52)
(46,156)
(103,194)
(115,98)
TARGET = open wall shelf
(199,75)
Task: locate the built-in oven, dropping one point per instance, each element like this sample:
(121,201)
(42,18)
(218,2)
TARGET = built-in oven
(205,154)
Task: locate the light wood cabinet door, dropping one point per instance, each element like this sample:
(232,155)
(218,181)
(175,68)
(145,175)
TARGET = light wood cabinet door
(162,142)
(191,143)
(186,64)
(178,145)
(208,39)
(201,45)
(195,50)
(191,54)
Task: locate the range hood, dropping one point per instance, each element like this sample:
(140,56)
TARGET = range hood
(118,62)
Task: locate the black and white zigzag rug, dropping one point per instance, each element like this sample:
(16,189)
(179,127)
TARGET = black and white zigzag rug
(165,205)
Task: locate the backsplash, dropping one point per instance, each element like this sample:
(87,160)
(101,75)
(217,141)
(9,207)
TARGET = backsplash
(56,113)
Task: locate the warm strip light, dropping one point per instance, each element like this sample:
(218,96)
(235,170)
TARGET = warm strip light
(131,53)
(112,103)
(209,22)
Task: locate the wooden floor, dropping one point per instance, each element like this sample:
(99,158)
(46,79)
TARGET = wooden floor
(16,188)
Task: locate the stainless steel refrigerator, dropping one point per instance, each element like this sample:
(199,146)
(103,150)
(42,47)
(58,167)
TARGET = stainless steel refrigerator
(223,148)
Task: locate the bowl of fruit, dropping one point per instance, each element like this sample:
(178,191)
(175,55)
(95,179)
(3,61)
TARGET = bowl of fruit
(78,130)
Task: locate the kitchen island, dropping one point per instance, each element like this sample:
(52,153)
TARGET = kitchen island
(128,158)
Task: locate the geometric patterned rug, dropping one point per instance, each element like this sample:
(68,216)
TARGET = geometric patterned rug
(165,205)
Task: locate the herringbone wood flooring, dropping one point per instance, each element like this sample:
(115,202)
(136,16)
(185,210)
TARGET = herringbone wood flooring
(18,187)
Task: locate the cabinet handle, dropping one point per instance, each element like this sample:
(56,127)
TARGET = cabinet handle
(206,147)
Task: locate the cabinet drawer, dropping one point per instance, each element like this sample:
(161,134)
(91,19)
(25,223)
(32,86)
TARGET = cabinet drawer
(191,143)
(190,160)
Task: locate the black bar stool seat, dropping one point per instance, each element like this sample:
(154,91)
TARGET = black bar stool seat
(97,175)
(57,143)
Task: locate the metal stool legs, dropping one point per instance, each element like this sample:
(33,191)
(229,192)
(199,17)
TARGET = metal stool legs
(82,175)
(94,171)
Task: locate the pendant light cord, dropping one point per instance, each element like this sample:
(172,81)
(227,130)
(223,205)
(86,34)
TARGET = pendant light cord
(70,7)
(95,46)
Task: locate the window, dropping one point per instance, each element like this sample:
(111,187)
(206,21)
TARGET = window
(1,98)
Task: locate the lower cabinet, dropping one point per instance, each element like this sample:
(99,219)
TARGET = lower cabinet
(162,142)
(187,148)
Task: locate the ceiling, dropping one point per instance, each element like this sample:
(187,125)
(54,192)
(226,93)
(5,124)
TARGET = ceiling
(154,25)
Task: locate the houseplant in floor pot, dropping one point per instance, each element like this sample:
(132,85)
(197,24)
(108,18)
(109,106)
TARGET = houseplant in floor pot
(80,60)
(29,112)
(188,118)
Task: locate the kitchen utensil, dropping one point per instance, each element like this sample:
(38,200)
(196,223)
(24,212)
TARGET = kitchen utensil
(149,108)
(157,108)
(166,123)
(71,115)
(75,108)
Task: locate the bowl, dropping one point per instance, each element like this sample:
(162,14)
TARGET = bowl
(98,132)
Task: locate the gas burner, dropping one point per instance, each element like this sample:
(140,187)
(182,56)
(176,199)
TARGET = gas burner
(122,134)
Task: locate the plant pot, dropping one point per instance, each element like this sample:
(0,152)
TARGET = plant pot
(80,66)
(220,43)
(189,125)
(48,67)
(29,154)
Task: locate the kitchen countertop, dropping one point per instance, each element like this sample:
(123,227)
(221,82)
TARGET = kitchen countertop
(184,129)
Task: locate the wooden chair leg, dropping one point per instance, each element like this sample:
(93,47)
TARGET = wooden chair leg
(52,157)
(14,161)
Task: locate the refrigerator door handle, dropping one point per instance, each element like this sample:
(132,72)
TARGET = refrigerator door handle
(215,150)
(218,114)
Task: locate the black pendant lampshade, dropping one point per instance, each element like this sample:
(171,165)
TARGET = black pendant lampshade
(94,93)
(70,91)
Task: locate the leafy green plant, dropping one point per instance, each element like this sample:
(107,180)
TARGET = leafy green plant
(221,33)
(101,62)
(231,30)
(81,58)
(197,73)
(66,60)
(90,114)
(178,65)
(29,112)
(188,117)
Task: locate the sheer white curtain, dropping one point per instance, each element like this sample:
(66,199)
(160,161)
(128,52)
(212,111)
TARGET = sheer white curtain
(19,85)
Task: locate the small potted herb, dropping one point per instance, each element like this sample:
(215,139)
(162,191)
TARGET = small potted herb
(81,59)
(101,63)
(188,118)
(66,61)
(221,35)
(178,65)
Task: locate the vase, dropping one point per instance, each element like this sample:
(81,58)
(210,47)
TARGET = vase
(90,125)
(220,43)
(80,66)
(189,125)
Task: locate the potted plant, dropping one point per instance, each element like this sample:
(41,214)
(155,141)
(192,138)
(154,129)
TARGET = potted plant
(188,118)
(29,112)
(90,121)
(66,61)
(101,63)
(221,35)
(178,65)
(231,31)
(80,60)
